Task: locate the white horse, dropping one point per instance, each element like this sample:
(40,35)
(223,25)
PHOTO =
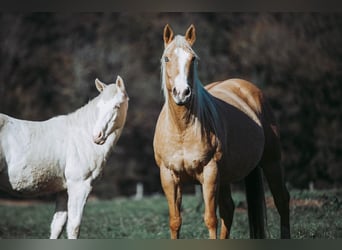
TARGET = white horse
(64,154)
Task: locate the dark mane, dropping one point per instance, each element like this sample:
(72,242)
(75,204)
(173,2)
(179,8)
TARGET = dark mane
(203,108)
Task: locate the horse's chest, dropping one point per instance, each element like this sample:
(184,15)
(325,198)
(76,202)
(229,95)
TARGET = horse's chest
(187,156)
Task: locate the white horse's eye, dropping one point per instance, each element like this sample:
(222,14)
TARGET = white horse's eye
(166,59)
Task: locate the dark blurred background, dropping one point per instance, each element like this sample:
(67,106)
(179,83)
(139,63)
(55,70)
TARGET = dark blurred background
(49,62)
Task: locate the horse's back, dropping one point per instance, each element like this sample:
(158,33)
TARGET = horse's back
(239,93)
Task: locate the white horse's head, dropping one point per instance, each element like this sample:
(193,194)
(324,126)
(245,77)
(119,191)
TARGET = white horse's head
(112,109)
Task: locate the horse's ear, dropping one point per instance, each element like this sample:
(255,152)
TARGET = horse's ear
(190,34)
(120,83)
(168,34)
(99,85)
(121,86)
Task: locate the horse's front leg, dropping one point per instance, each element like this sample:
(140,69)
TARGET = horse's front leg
(209,185)
(60,216)
(78,192)
(172,189)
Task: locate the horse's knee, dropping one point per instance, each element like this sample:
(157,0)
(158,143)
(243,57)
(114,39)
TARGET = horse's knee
(175,223)
(73,226)
(210,221)
(73,229)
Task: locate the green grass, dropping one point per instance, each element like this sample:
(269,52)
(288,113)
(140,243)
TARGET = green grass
(124,218)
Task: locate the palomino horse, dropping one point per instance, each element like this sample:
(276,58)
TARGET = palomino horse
(64,154)
(215,135)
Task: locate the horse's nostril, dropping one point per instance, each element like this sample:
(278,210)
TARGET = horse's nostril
(187,91)
(174,91)
(98,137)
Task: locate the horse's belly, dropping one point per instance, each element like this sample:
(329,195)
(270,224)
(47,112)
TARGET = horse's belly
(241,155)
(35,180)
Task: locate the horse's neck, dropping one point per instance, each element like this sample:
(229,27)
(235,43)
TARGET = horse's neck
(82,122)
(181,117)
(178,115)
(200,115)
(85,117)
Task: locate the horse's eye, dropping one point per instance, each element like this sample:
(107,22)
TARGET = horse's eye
(166,59)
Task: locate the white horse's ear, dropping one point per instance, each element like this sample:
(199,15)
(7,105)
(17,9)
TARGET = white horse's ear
(190,34)
(99,85)
(120,83)
(121,86)
(168,34)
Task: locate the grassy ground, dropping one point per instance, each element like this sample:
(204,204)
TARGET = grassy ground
(315,214)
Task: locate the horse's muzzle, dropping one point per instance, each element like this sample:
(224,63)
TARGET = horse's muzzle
(181,97)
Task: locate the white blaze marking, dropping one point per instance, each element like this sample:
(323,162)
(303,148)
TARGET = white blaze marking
(181,78)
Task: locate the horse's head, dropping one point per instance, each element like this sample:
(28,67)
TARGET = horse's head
(111,109)
(178,64)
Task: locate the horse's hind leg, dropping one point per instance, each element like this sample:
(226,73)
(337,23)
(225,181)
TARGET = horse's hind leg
(60,216)
(226,208)
(276,183)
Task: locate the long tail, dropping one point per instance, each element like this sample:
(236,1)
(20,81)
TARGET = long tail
(255,196)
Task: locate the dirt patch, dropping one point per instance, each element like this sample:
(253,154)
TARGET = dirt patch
(20,203)
(298,203)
